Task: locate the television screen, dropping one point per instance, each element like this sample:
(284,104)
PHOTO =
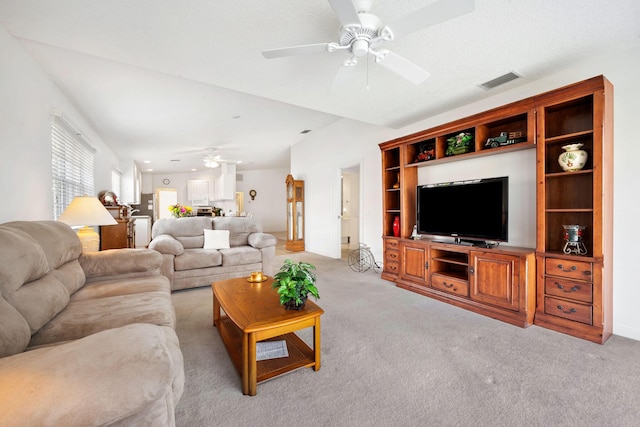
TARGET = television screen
(475,209)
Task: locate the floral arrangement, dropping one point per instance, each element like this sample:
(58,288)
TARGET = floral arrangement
(179,210)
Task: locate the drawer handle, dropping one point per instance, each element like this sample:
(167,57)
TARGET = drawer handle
(572,289)
(448,285)
(393,256)
(587,272)
(573,310)
(573,268)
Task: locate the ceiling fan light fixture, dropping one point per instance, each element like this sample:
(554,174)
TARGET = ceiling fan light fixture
(360,47)
(211,162)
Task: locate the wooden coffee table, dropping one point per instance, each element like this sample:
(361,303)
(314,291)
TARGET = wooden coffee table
(253,313)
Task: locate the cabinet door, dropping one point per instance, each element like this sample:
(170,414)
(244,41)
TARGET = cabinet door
(114,236)
(414,262)
(494,279)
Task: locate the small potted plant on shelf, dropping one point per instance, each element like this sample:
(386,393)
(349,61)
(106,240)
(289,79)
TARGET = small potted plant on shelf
(459,144)
(294,282)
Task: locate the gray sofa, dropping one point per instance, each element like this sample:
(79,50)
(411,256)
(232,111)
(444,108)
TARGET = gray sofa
(188,264)
(85,339)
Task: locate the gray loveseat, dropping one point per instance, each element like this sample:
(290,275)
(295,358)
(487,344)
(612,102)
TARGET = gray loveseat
(188,264)
(85,339)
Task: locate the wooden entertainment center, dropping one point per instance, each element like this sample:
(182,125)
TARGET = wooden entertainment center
(546,286)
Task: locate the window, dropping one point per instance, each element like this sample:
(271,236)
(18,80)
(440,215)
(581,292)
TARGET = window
(71,165)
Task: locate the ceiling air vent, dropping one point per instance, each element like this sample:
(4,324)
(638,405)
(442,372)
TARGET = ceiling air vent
(505,78)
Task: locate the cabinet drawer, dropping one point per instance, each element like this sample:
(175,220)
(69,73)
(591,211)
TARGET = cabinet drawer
(567,268)
(391,256)
(580,291)
(568,310)
(450,284)
(392,267)
(391,244)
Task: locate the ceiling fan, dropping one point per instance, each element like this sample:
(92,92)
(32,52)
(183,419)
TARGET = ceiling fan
(212,160)
(210,156)
(362,34)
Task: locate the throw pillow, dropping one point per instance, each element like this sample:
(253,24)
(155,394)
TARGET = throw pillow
(216,239)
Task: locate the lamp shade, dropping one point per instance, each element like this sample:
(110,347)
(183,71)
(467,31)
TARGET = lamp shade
(86,210)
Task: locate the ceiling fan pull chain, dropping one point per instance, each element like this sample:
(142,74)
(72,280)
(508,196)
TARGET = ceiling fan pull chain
(368,59)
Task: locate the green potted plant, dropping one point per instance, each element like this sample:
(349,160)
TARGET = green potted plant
(295,281)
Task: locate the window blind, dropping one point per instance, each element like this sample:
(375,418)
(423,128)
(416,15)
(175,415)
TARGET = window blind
(71,165)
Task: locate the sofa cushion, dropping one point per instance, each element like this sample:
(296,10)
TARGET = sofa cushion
(188,230)
(166,244)
(120,262)
(86,317)
(240,255)
(25,278)
(123,375)
(239,229)
(59,242)
(14,330)
(197,258)
(262,240)
(216,239)
(122,286)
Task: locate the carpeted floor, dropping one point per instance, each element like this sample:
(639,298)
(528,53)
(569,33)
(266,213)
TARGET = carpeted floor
(391,357)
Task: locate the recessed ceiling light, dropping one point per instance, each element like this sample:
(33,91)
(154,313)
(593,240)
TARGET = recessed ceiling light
(149,170)
(194,169)
(147,161)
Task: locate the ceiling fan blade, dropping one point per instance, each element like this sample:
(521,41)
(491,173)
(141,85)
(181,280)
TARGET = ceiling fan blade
(305,49)
(432,14)
(345,11)
(402,67)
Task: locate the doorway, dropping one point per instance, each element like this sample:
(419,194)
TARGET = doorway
(349,210)
(165,197)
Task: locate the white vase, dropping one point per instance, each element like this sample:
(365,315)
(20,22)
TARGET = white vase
(573,159)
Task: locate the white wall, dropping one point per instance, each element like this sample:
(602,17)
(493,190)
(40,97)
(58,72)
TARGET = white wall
(519,166)
(318,162)
(27,97)
(317,159)
(269,206)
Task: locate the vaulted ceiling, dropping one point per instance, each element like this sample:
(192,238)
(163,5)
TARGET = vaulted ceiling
(165,80)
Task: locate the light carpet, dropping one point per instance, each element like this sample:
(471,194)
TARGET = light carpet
(392,357)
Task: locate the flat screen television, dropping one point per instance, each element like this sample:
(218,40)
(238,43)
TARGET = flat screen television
(475,210)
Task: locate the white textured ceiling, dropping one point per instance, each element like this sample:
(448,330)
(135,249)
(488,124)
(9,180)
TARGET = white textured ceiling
(164,80)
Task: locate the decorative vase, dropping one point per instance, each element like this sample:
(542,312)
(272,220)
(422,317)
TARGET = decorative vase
(573,240)
(573,159)
(396,226)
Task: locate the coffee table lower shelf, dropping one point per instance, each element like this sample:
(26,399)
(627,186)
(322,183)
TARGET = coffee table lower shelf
(300,354)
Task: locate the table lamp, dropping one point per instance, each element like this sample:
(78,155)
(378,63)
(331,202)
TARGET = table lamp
(85,211)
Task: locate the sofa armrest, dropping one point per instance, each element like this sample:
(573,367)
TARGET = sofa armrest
(116,262)
(114,375)
(166,244)
(262,240)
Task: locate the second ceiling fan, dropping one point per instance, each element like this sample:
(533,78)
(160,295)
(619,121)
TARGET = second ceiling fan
(362,34)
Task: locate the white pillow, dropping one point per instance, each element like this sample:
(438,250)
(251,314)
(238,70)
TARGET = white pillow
(216,239)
